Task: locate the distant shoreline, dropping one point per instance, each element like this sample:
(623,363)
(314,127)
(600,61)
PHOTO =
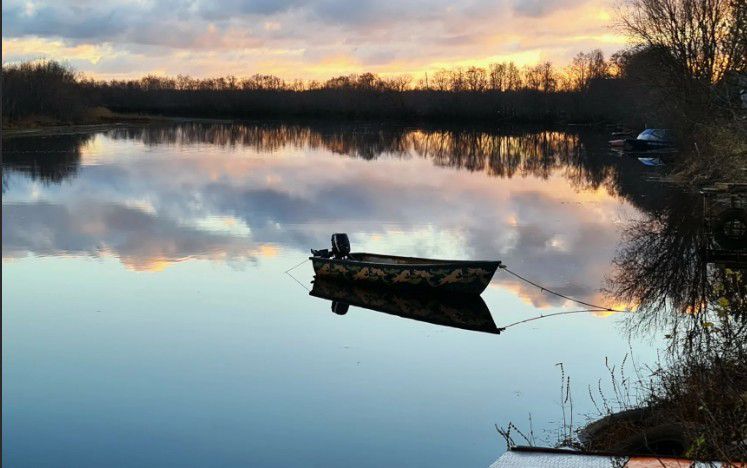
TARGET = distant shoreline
(109,122)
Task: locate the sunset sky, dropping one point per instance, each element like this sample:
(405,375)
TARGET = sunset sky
(308,39)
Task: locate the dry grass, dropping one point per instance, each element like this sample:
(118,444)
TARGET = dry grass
(717,153)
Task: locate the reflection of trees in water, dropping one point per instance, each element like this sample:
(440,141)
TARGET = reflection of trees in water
(663,267)
(693,401)
(261,138)
(367,142)
(503,153)
(536,153)
(50,159)
(660,265)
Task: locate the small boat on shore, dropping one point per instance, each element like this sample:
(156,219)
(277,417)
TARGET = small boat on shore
(652,162)
(460,276)
(648,140)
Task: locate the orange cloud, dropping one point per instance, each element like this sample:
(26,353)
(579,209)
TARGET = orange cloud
(159,263)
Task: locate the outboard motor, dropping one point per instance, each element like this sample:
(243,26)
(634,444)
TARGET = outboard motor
(340,245)
(323,253)
(340,308)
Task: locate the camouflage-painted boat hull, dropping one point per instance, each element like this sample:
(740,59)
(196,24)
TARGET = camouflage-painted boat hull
(464,277)
(467,312)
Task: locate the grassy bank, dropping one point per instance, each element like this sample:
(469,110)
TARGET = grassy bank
(715,153)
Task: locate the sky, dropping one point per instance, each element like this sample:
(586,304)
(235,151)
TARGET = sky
(305,39)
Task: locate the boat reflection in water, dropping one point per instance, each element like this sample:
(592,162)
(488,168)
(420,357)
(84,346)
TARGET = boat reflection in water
(466,312)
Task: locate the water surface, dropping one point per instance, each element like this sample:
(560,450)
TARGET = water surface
(148,321)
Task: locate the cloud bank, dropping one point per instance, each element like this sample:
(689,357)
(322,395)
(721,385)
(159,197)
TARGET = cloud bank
(298,38)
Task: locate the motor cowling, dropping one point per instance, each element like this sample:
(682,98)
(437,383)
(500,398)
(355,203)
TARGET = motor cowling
(340,308)
(323,253)
(340,245)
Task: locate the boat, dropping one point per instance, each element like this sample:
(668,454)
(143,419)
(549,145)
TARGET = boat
(452,276)
(468,312)
(647,140)
(621,134)
(552,457)
(652,162)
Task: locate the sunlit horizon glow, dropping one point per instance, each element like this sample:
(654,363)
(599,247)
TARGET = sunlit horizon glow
(301,39)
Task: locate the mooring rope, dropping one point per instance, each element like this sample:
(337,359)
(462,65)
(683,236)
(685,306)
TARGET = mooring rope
(288,272)
(565,312)
(593,307)
(544,289)
(296,266)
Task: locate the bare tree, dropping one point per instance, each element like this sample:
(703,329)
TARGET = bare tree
(368,81)
(457,79)
(706,38)
(442,80)
(476,79)
(513,77)
(547,76)
(398,83)
(586,67)
(498,76)
(541,77)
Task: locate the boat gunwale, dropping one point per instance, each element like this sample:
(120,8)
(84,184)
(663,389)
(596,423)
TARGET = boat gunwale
(430,262)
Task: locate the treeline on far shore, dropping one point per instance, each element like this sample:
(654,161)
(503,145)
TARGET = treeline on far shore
(590,89)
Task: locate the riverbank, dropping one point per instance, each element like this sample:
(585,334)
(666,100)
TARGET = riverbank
(107,120)
(97,120)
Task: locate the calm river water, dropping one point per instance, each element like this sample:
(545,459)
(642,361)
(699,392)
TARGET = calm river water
(148,321)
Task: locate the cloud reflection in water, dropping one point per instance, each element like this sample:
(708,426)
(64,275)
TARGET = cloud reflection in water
(539,201)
